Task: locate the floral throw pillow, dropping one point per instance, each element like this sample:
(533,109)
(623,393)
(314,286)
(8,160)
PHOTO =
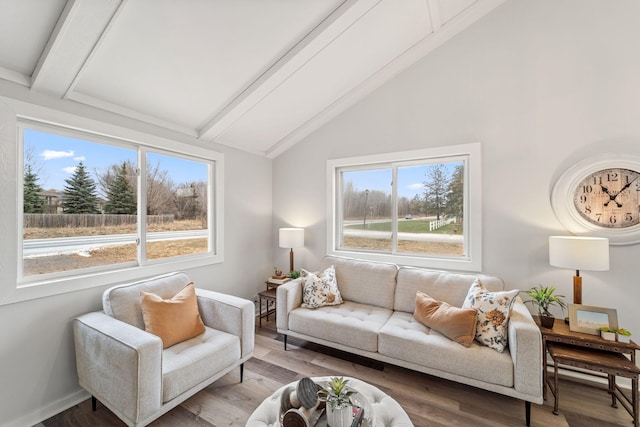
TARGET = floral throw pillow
(493,314)
(320,289)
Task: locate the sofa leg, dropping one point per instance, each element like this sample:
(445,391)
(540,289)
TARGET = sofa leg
(94,403)
(285,343)
(241,372)
(527,412)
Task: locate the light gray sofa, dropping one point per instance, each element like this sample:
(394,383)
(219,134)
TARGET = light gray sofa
(376,321)
(126,368)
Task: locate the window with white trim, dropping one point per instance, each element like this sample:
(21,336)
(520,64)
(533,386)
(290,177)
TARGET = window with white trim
(92,203)
(417,208)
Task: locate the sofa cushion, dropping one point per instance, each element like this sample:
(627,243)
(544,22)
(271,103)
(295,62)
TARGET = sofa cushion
(173,319)
(320,289)
(406,339)
(451,288)
(352,324)
(123,301)
(364,282)
(493,314)
(195,360)
(458,324)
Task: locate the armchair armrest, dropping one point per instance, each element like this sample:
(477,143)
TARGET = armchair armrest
(289,297)
(525,346)
(119,364)
(229,314)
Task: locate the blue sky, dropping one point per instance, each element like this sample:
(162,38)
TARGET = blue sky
(410,179)
(57,157)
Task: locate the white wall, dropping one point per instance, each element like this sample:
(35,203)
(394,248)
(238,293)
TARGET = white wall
(37,361)
(541,84)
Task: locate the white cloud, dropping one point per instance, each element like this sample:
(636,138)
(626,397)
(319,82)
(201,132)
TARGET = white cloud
(416,186)
(51,154)
(80,158)
(69,169)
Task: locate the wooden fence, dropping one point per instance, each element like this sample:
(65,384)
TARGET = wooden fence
(88,220)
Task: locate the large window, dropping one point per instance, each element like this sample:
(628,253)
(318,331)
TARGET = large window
(414,208)
(93,203)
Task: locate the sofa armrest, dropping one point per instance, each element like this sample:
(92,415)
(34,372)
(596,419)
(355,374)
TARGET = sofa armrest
(525,346)
(289,297)
(229,314)
(119,364)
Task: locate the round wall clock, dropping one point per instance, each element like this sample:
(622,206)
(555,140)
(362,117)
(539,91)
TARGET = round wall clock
(600,196)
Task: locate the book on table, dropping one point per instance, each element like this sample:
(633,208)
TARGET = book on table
(278,281)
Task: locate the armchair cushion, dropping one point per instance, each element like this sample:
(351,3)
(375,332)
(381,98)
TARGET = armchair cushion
(175,319)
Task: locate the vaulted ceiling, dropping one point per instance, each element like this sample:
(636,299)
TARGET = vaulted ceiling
(257,75)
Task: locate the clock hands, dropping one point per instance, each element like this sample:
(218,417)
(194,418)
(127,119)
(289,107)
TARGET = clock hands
(612,197)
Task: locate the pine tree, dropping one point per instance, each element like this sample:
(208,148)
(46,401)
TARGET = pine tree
(80,193)
(435,188)
(33,200)
(455,193)
(121,199)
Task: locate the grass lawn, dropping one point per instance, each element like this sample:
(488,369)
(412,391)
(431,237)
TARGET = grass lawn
(409,226)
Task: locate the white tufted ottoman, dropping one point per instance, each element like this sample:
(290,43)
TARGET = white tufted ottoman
(386,411)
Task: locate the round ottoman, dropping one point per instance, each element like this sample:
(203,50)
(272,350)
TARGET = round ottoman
(386,411)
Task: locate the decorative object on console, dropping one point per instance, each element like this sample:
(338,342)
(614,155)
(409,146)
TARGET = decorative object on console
(599,196)
(291,238)
(543,297)
(608,334)
(622,335)
(588,319)
(579,253)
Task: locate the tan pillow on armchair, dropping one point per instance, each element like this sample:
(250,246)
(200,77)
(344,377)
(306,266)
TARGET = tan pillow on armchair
(174,320)
(458,324)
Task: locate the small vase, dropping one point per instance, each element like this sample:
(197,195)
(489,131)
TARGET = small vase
(339,417)
(623,338)
(547,321)
(609,336)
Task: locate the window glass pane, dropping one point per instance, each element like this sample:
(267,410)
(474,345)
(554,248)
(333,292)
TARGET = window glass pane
(430,209)
(177,197)
(366,210)
(79,207)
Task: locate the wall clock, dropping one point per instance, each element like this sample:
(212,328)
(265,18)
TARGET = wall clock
(600,196)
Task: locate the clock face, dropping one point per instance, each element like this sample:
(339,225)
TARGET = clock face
(609,198)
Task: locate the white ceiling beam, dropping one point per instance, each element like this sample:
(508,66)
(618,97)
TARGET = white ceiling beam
(434,13)
(339,21)
(15,77)
(392,69)
(74,37)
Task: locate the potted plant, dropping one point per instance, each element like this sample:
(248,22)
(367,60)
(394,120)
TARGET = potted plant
(608,334)
(623,335)
(338,399)
(543,297)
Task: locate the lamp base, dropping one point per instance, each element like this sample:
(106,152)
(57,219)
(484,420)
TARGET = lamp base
(577,289)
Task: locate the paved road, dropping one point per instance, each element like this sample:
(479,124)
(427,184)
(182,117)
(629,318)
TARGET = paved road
(69,245)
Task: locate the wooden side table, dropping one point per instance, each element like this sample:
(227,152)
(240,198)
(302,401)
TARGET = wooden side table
(269,297)
(592,353)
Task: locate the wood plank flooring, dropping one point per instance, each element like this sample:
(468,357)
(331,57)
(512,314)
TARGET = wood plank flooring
(429,401)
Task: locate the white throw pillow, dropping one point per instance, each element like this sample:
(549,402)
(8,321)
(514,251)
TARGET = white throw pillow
(493,314)
(320,289)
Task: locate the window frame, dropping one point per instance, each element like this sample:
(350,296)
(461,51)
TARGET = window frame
(15,287)
(469,153)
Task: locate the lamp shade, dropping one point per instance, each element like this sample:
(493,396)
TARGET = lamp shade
(579,253)
(291,237)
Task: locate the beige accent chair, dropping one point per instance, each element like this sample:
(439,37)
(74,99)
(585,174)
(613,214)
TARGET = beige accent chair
(126,369)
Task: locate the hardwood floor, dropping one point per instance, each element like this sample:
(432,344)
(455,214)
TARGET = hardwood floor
(429,401)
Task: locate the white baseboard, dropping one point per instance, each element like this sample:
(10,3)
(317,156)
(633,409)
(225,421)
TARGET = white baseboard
(36,417)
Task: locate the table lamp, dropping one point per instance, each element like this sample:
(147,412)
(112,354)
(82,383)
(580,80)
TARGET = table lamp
(579,253)
(291,238)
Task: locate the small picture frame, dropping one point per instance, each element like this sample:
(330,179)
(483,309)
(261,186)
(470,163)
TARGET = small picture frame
(588,319)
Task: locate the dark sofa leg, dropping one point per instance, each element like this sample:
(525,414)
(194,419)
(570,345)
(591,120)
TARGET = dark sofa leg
(241,372)
(285,343)
(527,412)
(94,403)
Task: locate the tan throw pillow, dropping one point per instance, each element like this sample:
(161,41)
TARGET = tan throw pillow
(494,309)
(458,324)
(174,320)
